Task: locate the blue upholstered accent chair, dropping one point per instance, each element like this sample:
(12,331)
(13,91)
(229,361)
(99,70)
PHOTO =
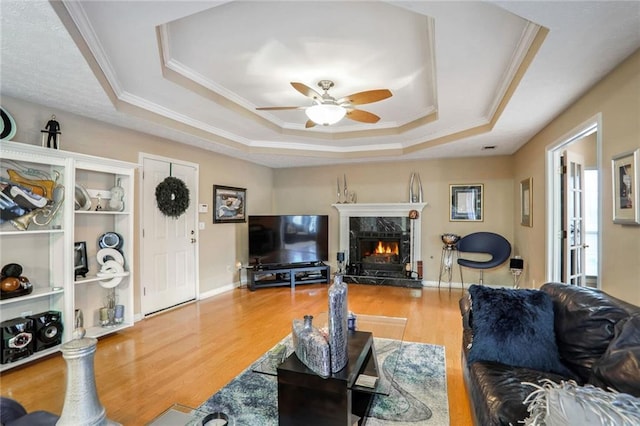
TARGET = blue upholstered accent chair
(483,242)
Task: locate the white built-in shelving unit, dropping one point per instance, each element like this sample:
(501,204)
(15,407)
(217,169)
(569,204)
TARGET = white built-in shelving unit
(46,253)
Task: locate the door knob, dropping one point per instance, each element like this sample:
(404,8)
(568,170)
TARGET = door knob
(193,240)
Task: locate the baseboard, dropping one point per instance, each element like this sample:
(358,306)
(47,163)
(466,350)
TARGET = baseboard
(442,284)
(217,291)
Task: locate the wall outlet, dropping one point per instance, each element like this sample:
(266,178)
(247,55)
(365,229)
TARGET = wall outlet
(201,225)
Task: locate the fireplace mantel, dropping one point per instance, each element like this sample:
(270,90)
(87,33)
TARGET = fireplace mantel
(378,209)
(383,210)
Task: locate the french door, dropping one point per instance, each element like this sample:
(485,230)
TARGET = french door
(573,253)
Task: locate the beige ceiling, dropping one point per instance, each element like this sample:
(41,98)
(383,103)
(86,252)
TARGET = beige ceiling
(464,75)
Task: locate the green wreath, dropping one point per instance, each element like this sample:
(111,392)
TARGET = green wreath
(172,196)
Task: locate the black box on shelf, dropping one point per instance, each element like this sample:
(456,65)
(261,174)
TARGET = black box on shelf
(47,329)
(17,339)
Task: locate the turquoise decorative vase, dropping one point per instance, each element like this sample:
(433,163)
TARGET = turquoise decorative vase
(338,330)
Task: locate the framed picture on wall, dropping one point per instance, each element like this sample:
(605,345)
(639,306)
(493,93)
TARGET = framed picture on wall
(466,202)
(625,188)
(230,204)
(526,202)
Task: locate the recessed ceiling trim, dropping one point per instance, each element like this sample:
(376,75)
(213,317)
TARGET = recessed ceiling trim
(529,34)
(175,116)
(185,76)
(190,74)
(433,72)
(175,124)
(533,50)
(82,24)
(452,137)
(325,154)
(308,147)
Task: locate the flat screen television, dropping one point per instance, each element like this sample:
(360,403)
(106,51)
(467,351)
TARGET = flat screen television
(288,239)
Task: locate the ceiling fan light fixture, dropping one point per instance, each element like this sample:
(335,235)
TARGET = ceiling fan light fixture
(325,114)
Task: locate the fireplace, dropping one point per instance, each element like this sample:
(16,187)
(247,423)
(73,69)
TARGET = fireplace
(379,246)
(381,243)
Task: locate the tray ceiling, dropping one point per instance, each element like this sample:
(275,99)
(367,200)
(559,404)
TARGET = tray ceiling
(464,75)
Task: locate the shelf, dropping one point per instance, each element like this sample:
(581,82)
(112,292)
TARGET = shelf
(99,331)
(35,294)
(34,356)
(94,278)
(100,212)
(31,232)
(288,276)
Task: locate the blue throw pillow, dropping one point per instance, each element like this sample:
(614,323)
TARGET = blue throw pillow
(514,327)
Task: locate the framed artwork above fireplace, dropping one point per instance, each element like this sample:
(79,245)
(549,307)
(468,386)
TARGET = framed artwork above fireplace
(466,203)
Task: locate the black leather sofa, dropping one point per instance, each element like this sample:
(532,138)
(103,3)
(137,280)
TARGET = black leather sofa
(12,413)
(592,342)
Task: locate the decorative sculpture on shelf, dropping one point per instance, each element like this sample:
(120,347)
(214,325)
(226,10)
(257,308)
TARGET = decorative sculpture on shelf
(24,201)
(52,130)
(13,283)
(116,202)
(348,197)
(415,188)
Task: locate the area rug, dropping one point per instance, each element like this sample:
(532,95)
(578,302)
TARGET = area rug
(415,375)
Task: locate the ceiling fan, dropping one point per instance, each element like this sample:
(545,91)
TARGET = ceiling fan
(328,110)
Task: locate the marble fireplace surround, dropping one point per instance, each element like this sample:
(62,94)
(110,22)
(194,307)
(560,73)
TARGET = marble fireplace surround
(382,210)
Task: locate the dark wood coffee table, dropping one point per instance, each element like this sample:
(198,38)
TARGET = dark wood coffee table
(304,398)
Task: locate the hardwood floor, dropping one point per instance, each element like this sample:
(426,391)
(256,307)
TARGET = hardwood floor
(187,354)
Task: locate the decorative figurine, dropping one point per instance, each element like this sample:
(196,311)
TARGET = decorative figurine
(52,130)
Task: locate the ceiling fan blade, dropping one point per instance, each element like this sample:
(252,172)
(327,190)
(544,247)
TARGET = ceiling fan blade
(309,124)
(279,108)
(362,116)
(306,90)
(366,97)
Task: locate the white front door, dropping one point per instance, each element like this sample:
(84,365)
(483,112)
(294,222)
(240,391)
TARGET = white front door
(573,253)
(169,245)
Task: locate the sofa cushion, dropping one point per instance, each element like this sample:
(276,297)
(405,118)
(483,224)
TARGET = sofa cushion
(497,391)
(566,403)
(585,322)
(514,327)
(619,367)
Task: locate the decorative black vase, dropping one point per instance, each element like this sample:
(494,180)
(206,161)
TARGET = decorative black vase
(338,331)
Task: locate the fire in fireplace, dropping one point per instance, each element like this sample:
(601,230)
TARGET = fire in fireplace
(380,251)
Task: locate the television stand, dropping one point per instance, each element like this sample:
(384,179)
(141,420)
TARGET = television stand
(288,275)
